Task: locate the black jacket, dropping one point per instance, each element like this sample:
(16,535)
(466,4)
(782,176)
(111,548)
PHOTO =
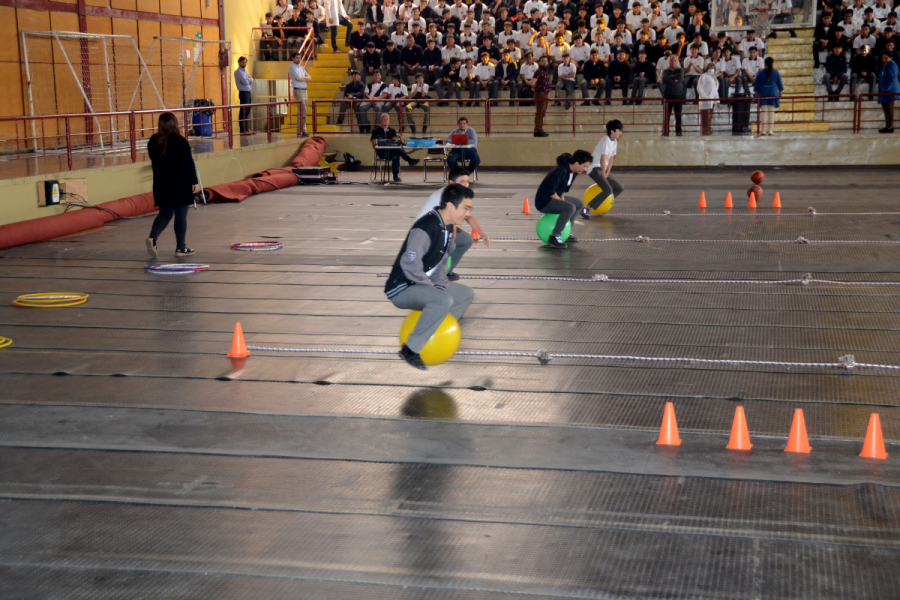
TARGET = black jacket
(423,256)
(558,181)
(673,83)
(592,70)
(507,71)
(173,174)
(355,90)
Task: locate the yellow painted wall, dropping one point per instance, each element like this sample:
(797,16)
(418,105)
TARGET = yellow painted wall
(20,199)
(241,17)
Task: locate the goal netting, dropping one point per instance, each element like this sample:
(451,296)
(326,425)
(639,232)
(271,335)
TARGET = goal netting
(75,73)
(72,73)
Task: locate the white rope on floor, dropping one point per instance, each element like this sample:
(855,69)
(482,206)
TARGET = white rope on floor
(844,362)
(805,280)
(643,238)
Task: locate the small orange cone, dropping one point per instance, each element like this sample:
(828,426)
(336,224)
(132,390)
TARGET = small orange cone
(238,347)
(752,203)
(728,202)
(873,447)
(740,436)
(526,210)
(668,433)
(475,235)
(798,442)
(777,202)
(702,200)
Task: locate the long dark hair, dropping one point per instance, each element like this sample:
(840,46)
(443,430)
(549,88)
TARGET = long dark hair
(168,129)
(770,65)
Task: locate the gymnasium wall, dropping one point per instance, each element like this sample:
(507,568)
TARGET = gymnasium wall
(142,19)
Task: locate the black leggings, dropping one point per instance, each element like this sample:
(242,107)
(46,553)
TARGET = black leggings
(163,218)
(566,209)
(888,115)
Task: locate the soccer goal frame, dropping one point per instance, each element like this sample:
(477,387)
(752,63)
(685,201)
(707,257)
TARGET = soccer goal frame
(83,38)
(190,64)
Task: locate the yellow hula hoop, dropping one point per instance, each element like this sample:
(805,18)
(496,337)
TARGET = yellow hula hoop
(50,300)
(5,341)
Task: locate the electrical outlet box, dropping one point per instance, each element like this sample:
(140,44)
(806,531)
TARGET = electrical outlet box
(49,193)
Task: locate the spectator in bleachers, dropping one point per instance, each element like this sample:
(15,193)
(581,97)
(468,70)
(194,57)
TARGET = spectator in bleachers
(390,60)
(335,15)
(835,72)
(839,40)
(267,41)
(750,67)
(750,42)
(451,50)
(865,38)
(434,34)
(374,14)
(449,82)
(355,90)
(823,34)
(354,8)
(398,36)
(526,77)
(432,62)
(418,36)
(483,80)
(643,73)
(886,36)
(379,37)
(396,91)
(284,10)
(694,66)
(507,74)
(618,76)
(418,91)
(279,40)
(371,62)
(376,93)
(389,9)
(566,75)
(411,59)
(849,25)
(863,68)
(888,84)
(891,52)
(359,39)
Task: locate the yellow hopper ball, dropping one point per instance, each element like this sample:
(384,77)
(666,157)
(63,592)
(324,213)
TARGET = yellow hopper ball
(591,194)
(442,344)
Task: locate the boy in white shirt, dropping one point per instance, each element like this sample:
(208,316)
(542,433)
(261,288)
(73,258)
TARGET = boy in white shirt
(751,42)
(451,50)
(507,34)
(580,52)
(602,48)
(693,69)
(418,91)
(551,19)
(750,67)
(634,17)
(599,170)
(672,31)
(395,91)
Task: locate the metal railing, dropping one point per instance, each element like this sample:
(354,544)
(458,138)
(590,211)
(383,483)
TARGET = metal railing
(283,42)
(70,134)
(735,115)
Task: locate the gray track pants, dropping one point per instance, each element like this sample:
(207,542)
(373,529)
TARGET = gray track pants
(463,242)
(435,304)
(609,185)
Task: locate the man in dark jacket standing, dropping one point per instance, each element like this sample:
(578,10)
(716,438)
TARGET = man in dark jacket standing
(673,89)
(863,68)
(418,279)
(551,199)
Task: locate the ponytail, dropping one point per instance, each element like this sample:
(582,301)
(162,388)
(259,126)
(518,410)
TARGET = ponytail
(770,65)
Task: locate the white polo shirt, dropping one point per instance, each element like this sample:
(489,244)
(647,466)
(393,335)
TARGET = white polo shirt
(753,66)
(605,147)
(571,69)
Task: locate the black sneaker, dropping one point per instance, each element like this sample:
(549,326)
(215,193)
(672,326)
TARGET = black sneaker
(413,162)
(556,242)
(424,130)
(413,130)
(397,179)
(452,276)
(184,252)
(411,358)
(585,103)
(572,239)
(151,248)
(585,213)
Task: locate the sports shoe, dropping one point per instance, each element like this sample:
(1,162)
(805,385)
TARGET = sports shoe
(413,162)
(557,242)
(412,359)
(413,129)
(452,276)
(397,179)
(151,248)
(572,239)
(585,213)
(184,252)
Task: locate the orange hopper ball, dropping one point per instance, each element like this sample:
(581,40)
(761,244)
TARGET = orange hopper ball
(757,191)
(757,177)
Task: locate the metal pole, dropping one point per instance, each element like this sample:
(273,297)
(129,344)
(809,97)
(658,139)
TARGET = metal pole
(665,125)
(315,116)
(108,95)
(487,117)
(28,82)
(269,120)
(68,144)
(132,132)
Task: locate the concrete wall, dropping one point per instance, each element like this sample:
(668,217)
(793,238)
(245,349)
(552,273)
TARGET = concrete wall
(20,196)
(241,16)
(787,150)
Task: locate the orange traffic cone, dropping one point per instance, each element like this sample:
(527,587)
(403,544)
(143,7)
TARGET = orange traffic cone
(798,442)
(668,433)
(238,347)
(752,203)
(873,447)
(728,202)
(475,235)
(740,436)
(702,200)
(777,202)
(526,210)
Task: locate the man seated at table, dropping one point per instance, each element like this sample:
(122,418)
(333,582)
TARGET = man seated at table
(458,155)
(384,131)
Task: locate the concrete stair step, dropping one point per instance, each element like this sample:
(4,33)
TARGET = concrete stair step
(802,127)
(800,88)
(795,63)
(791,53)
(796,72)
(788,41)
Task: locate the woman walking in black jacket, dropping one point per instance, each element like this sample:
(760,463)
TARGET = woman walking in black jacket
(174,182)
